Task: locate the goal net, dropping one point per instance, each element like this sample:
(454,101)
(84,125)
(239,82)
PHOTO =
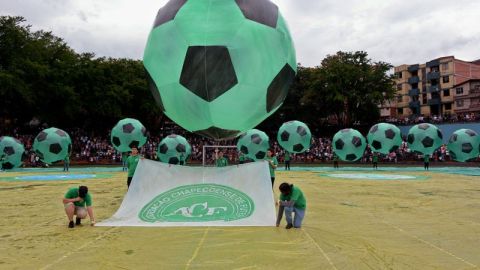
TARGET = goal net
(230,152)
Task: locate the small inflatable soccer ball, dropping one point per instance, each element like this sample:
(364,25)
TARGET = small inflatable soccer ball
(464,145)
(384,138)
(253,144)
(173,149)
(128,133)
(52,145)
(424,138)
(349,144)
(11,153)
(294,137)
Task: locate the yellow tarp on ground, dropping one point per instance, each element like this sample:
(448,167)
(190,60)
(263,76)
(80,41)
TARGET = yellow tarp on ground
(349,224)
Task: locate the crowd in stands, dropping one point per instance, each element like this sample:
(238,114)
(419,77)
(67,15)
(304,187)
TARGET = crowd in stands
(92,148)
(436,119)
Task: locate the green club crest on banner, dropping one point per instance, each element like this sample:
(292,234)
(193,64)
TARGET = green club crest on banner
(198,203)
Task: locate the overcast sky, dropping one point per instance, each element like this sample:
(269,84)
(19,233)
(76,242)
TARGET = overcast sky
(394,31)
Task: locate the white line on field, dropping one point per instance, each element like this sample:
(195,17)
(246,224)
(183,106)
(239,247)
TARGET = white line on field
(319,248)
(68,254)
(195,253)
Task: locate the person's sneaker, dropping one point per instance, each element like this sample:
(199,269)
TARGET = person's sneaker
(71,225)
(78,221)
(289,226)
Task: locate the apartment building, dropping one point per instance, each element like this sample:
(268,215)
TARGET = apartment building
(430,89)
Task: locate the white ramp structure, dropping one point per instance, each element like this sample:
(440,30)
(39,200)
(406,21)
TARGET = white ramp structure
(163,195)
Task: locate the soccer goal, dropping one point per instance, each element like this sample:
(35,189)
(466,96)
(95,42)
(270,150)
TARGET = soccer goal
(230,152)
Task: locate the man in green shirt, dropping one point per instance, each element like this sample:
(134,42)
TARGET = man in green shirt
(132,162)
(66,163)
(241,157)
(75,201)
(291,201)
(272,163)
(335,161)
(287,161)
(375,160)
(220,160)
(426,161)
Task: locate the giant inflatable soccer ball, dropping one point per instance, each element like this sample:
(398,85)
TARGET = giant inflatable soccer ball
(52,145)
(128,133)
(171,149)
(11,153)
(424,138)
(294,137)
(384,138)
(219,67)
(349,144)
(464,145)
(254,144)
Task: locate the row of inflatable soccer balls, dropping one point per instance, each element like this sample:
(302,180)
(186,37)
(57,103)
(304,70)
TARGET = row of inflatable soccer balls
(53,144)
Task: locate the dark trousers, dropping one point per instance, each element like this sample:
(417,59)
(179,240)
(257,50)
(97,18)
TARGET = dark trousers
(287,165)
(335,164)
(273,180)
(375,165)
(129,180)
(425,165)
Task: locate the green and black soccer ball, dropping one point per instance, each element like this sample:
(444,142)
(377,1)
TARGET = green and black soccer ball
(254,144)
(384,138)
(219,67)
(174,148)
(52,145)
(128,133)
(464,145)
(349,144)
(294,137)
(424,138)
(11,153)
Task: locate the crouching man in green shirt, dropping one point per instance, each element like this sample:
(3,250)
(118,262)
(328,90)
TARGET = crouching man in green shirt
(291,201)
(75,201)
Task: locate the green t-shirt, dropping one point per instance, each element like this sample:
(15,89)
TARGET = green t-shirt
(73,193)
(297,196)
(287,156)
(132,162)
(375,158)
(221,162)
(124,156)
(241,158)
(66,159)
(426,158)
(275,162)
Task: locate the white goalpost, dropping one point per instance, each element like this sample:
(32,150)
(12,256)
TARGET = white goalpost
(229,151)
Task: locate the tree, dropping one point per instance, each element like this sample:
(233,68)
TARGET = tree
(350,86)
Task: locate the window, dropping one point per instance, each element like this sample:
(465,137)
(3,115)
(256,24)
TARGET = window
(424,99)
(446,92)
(445,66)
(448,106)
(399,98)
(400,110)
(399,87)
(434,69)
(459,90)
(446,79)
(399,75)
(460,103)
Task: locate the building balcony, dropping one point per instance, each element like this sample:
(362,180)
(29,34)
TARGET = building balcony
(433,76)
(433,89)
(433,63)
(413,80)
(413,68)
(414,92)
(414,104)
(434,101)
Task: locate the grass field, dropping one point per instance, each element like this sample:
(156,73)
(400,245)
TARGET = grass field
(429,223)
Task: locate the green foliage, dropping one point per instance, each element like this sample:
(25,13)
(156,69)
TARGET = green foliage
(349,86)
(40,76)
